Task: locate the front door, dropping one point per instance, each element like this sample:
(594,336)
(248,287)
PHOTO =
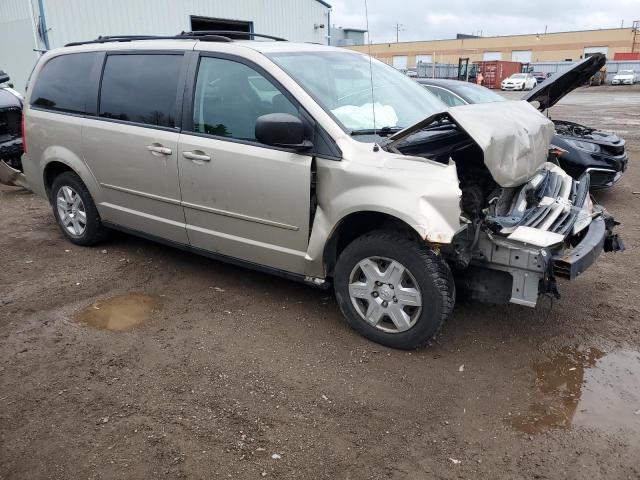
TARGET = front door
(131,147)
(241,198)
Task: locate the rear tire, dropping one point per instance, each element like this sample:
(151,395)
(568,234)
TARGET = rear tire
(413,281)
(75,211)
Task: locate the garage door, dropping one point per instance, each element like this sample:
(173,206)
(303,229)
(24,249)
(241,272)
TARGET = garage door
(488,56)
(423,59)
(400,62)
(522,56)
(588,51)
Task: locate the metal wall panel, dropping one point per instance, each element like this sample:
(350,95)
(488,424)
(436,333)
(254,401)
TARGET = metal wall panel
(17,41)
(13,10)
(74,20)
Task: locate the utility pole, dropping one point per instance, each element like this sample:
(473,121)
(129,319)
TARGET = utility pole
(399,28)
(433,64)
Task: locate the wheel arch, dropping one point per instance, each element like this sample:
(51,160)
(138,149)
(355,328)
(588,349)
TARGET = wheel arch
(52,170)
(55,165)
(355,225)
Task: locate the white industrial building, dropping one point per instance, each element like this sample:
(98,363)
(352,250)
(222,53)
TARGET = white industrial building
(30,25)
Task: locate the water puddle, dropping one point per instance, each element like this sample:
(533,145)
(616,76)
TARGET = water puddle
(117,313)
(587,388)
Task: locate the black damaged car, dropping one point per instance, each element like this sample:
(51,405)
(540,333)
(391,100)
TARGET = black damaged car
(579,148)
(10,123)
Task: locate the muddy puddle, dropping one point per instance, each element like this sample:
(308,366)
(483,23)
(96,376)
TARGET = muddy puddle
(586,388)
(118,313)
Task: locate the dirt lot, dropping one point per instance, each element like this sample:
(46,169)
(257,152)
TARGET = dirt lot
(237,374)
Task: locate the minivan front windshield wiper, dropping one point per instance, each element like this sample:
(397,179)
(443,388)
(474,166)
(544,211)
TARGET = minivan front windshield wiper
(383,132)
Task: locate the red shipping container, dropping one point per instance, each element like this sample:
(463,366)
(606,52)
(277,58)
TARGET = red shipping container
(626,56)
(494,71)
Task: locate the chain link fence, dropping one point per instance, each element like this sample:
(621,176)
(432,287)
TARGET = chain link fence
(450,70)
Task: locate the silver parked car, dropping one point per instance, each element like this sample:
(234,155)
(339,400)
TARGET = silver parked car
(312,162)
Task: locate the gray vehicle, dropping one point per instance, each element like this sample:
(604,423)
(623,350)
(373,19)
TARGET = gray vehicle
(312,162)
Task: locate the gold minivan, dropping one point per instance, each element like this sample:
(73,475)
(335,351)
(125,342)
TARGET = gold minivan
(316,163)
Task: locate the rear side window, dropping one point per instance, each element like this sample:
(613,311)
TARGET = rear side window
(141,88)
(63,83)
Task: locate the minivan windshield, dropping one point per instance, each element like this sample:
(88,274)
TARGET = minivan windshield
(341,82)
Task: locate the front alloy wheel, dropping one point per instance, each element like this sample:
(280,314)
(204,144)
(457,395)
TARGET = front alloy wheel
(385,294)
(393,288)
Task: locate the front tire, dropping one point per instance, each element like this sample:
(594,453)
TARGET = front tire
(393,289)
(75,211)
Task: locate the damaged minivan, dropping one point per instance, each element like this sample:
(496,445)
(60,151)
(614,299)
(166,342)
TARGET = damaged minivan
(315,163)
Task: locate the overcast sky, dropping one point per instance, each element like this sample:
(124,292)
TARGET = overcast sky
(437,19)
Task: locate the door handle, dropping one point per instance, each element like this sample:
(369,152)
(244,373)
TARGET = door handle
(157,148)
(197,155)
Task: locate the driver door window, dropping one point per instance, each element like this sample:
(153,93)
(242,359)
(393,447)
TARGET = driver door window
(446,96)
(230,96)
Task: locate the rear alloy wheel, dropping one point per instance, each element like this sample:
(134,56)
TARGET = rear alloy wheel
(393,289)
(71,211)
(75,211)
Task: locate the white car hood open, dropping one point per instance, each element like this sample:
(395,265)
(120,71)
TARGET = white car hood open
(513,136)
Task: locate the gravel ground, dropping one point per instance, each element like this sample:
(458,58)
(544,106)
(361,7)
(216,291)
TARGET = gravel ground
(236,374)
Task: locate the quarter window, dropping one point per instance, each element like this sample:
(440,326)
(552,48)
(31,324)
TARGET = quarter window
(63,83)
(230,96)
(141,88)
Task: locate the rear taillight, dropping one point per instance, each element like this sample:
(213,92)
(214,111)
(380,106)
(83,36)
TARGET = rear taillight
(24,140)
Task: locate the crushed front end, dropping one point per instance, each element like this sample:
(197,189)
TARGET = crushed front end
(528,236)
(524,220)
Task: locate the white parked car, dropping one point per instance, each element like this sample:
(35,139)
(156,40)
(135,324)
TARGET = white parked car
(519,81)
(625,77)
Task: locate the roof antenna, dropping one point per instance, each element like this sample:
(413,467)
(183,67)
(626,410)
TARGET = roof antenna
(373,102)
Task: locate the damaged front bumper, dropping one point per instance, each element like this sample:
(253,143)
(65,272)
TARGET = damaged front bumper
(550,231)
(502,271)
(600,236)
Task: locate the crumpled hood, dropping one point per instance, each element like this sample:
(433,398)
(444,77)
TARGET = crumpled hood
(548,93)
(513,136)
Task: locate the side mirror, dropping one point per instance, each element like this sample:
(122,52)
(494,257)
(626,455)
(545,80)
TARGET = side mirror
(282,130)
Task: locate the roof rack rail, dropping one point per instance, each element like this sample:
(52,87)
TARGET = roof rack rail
(132,38)
(202,35)
(199,33)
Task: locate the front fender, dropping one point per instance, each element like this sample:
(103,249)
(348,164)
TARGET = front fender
(423,194)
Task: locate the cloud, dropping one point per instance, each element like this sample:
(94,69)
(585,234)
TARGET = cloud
(427,20)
